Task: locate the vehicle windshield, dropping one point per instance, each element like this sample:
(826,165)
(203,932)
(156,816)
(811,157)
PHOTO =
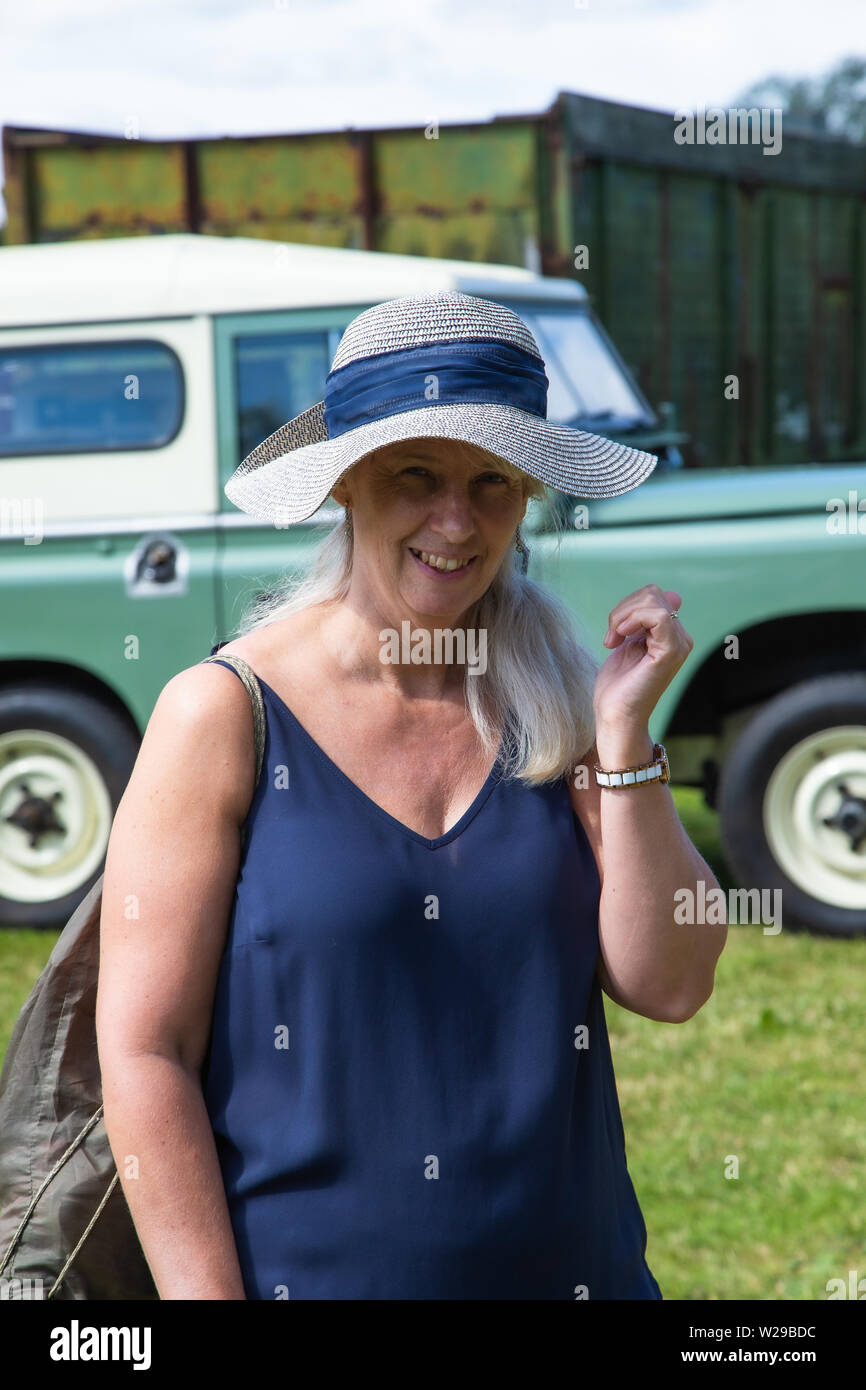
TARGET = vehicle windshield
(588,387)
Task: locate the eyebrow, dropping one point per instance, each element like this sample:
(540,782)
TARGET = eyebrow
(482,466)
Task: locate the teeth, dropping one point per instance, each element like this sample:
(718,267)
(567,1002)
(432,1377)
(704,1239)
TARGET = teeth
(439,562)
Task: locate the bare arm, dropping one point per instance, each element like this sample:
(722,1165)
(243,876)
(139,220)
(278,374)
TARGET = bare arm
(169,883)
(649,963)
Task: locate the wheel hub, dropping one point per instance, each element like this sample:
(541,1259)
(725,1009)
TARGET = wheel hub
(850,817)
(35,815)
(815,815)
(55,816)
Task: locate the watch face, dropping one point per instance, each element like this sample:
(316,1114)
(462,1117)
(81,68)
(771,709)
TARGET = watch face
(663,758)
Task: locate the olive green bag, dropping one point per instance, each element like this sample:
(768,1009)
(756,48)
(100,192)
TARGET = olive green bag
(65,1228)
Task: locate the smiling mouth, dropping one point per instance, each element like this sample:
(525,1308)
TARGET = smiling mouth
(440,564)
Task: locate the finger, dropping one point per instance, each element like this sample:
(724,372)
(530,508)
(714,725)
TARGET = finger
(649,594)
(651,599)
(657,622)
(647,618)
(626,604)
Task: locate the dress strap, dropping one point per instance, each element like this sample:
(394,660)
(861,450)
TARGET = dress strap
(248,676)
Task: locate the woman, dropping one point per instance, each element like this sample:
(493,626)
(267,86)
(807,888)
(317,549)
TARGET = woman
(361,1052)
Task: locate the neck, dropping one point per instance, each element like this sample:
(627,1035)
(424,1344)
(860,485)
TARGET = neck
(351,635)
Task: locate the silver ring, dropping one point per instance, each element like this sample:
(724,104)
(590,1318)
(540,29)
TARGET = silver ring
(675,615)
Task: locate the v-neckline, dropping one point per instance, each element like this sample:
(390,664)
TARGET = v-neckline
(457,829)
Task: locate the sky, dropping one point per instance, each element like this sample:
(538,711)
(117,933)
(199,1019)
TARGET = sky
(169,68)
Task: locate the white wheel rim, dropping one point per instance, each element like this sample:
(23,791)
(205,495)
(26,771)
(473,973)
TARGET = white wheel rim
(803,791)
(36,763)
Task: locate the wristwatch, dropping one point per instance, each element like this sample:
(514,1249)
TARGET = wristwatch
(656,771)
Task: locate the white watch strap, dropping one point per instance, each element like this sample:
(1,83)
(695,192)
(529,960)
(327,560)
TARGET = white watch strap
(633,776)
(627,779)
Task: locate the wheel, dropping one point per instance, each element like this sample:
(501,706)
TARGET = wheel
(65,758)
(792,802)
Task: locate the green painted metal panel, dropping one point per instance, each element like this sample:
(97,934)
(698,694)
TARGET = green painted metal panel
(109,190)
(482,168)
(471,193)
(687,495)
(715,261)
(858,329)
(697,312)
(747,327)
(789,380)
(732,573)
(663,274)
(731,424)
(609,130)
(837,384)
(508,237)
(67,604)
(616,219)
(277,177)
(257,560)
(302,188)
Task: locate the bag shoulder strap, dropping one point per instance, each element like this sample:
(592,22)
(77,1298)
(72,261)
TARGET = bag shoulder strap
(253,689)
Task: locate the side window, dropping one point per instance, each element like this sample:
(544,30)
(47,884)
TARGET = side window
(89,397)
(277,376)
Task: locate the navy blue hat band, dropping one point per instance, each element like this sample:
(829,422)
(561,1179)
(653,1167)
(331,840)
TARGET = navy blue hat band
(486,371)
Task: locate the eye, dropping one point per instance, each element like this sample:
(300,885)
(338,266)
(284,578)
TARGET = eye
(415,468)
(492,478)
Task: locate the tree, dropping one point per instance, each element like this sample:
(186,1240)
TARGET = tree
(833,105)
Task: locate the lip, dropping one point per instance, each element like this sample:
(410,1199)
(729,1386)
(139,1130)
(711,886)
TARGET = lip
(442,574)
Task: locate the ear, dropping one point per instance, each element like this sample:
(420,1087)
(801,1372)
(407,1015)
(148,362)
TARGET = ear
(341,492)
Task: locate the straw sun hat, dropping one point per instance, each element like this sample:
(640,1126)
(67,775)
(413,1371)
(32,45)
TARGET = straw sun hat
(446,366)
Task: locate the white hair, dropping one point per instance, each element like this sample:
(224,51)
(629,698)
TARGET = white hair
(535,696)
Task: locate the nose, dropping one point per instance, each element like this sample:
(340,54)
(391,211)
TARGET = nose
(452,515)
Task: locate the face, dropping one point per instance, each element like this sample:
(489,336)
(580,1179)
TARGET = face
(431,525)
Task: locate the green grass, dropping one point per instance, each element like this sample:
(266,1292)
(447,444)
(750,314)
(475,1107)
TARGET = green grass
(770,1071)
(23,954)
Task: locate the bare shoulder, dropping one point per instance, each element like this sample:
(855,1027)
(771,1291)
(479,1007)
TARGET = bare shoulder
(204,711)
(200,697)
(201,733)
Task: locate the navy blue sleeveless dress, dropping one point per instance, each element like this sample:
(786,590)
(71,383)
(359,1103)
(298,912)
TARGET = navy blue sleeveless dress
(408,1075)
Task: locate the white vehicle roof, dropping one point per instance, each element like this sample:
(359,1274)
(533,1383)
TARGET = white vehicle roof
(120,278)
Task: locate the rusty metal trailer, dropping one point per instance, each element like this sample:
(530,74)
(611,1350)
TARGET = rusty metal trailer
(732,281)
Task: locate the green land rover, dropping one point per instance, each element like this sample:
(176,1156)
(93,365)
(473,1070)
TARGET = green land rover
(135,373)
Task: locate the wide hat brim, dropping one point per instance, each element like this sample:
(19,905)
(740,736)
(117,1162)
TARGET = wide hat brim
(289,475)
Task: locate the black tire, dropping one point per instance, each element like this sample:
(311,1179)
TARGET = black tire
(99,731)
(805,709)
